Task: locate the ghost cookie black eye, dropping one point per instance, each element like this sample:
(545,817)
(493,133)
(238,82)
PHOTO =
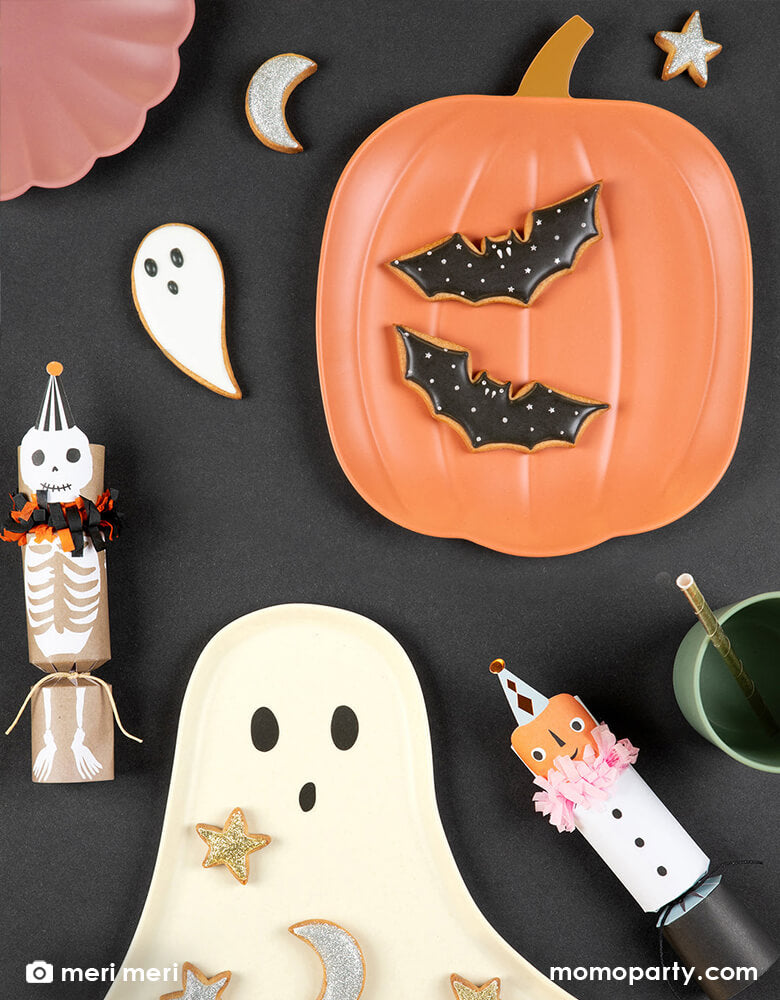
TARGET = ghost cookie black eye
(73,454)
(150,266)
(265,730)
(177,257)
(38,457)
(344,728)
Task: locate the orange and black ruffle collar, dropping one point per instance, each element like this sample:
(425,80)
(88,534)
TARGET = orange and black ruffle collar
(70,522)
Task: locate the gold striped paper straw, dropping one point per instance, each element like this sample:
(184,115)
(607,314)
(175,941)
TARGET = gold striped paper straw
(722,643)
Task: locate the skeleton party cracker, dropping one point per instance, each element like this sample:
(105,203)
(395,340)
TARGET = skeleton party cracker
(489,414)
(588,783)
(514,267)
(63,520)
(179,291)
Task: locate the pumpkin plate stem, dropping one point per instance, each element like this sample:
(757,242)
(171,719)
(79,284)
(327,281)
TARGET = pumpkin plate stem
(548,75)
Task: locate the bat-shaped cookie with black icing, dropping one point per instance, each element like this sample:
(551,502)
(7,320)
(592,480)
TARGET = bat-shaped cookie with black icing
(488,414)
(509,268)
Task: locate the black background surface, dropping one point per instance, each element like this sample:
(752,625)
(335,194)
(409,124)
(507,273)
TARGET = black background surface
(76,860)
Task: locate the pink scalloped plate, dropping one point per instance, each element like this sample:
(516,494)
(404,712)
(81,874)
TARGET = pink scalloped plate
(78,79)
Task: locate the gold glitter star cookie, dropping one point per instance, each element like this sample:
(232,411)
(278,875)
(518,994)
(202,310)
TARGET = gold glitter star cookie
(196,986)
(464,990)
(687,49)
(231,845)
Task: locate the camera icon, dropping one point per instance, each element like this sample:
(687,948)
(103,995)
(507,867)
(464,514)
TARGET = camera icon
(40,972)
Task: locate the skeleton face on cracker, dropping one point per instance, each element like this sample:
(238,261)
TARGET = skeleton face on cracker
(54,456)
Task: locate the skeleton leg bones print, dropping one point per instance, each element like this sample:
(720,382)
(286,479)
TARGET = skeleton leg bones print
(45,759)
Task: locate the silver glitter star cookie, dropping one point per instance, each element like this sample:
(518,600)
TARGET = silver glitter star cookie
(197,986)
(687,50)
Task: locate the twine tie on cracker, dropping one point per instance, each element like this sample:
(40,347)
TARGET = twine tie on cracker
(74,678)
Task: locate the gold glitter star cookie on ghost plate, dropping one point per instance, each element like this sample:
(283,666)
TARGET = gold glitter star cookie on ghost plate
(231,845)
(687,50)
(197,986)
(464,990)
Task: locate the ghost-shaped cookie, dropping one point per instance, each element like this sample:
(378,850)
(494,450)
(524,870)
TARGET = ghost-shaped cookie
(179,292)
(311,720)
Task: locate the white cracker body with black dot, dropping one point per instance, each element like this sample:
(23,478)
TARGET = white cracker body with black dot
(642,842)
(179,292)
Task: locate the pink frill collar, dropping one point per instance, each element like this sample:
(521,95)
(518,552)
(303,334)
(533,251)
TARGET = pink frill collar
(586,782)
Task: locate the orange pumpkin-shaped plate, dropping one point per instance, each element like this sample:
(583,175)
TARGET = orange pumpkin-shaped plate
(654,319)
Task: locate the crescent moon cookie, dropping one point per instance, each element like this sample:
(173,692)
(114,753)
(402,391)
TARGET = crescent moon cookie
(267,95)
(179,292)
(343,965)
(488,414)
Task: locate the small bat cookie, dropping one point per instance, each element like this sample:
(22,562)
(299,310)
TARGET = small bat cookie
(510,268)
(488,414)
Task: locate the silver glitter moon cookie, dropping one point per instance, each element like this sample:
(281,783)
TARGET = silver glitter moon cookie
(343,967)
(267,95)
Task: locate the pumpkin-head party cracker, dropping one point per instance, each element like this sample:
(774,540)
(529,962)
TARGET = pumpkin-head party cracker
(588,783)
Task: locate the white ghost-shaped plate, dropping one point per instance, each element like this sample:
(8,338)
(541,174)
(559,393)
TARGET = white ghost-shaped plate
(312,721)
(179,292)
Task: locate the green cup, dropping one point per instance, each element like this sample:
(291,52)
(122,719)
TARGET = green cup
(710,698)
